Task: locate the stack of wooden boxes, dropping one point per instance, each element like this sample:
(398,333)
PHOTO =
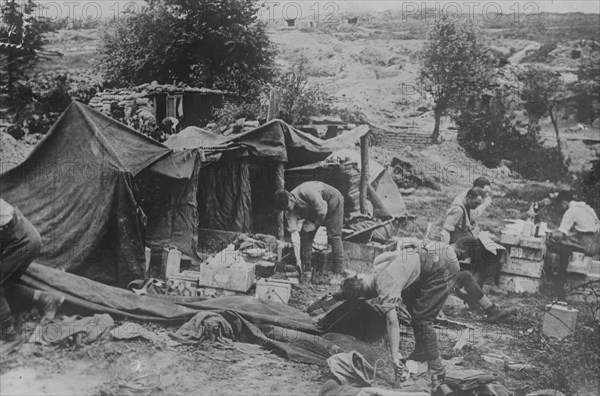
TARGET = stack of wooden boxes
(522,273)
(583,276)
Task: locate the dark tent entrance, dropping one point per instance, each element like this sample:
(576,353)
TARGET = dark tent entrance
(237,195)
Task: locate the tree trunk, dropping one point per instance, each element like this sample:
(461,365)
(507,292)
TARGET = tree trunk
(435,137)
(364,172)
(10,75)
(555,125)
(534,122)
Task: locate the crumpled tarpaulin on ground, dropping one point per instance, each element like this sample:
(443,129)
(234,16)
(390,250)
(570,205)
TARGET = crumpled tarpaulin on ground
(204,327)
(332,388)
(352,369)
(84,330)
(280,328)
(130,331)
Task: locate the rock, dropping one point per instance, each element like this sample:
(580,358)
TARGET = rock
(494,360)
(518,367)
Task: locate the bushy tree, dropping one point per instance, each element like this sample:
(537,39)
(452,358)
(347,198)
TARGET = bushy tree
(215,44)
(45,95)
(300,99)
(21,35)
(588,87)
(489,134)
(454,64)
(542,89)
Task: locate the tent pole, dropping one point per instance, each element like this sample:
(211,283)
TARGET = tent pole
(274,104)
(279,185)
(364,172)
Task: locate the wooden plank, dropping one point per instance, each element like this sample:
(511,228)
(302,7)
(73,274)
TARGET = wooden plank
(367,230)
(279,185)
(274,104)
(364,172)
(273,112)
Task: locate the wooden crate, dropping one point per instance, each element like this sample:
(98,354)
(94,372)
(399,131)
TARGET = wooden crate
(275,290)
(519,284)
(510,239)
(517,266)
(526,253)
(359,256)
(559,321)
(533,242)
(238,276)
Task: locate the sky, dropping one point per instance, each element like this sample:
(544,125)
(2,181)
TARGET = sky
(560,6)
(100,9)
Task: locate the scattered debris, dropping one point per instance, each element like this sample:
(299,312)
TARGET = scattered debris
(518,367)
(407,176)
(204,327)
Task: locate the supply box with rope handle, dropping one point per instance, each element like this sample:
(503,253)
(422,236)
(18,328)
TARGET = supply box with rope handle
(276,290)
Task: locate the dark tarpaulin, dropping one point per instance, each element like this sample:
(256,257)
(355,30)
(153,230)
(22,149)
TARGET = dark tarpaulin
(193,137)
(224,196)
(275,140)
(281,328)
(76,188)
(172,210)
(281,142)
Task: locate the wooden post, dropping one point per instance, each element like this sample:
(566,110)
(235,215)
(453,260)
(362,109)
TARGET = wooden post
(274,103)
(279,185)
(364,172)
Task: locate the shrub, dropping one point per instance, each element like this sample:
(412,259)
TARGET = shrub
(300,99)
(44,96)
(489,134)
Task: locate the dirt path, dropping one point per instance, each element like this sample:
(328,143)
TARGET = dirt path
(109,369)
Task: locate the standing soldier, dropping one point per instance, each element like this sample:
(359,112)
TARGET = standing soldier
(316,203)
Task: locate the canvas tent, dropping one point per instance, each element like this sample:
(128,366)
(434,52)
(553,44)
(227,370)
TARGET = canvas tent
(77,189)
(233,183)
